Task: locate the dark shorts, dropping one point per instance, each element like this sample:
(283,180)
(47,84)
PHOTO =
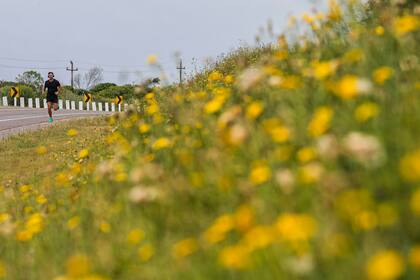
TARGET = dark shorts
(52,98)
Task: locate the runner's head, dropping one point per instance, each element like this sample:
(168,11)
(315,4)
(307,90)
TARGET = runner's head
(50,75)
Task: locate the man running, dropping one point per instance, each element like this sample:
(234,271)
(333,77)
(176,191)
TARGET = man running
(53,88)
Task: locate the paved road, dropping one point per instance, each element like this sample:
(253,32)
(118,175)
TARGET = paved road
(15,120)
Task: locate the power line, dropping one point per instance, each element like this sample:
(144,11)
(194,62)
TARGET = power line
(166,62)
(31,60)
(33,68)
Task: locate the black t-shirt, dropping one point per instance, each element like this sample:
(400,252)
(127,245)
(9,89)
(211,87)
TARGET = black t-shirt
(52,87)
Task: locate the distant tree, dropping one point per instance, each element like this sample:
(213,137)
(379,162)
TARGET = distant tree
(31,78)
(103,86)
(90,79)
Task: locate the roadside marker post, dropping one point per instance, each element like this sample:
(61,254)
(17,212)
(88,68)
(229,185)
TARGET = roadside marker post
(73,105)
(125,107)
(87,97)
(81,105)
(113,107)
(14,92)
(30,103)
(119,99)
(5,101)
(94,106)
(60,104)
(45,103)
(37,105)
(68,105)
(100,106)
(22,102)
(14,101)
(106,107)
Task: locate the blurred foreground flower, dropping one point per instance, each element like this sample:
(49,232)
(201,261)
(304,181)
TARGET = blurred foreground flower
(410,166)
(364,148)
(152,59)
(405,24)
(385,265)
(72,132)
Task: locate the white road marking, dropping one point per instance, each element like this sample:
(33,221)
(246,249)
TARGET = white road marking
(35,117)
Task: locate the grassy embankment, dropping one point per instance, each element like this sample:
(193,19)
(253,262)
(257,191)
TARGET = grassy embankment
(303,165)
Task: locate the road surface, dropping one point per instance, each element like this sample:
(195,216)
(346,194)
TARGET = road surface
(15,120)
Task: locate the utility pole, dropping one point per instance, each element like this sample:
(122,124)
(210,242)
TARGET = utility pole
(72,69)
(180,68)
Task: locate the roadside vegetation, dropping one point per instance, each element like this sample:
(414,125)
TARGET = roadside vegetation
(300,160)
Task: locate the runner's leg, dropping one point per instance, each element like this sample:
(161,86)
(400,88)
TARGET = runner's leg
(49,109)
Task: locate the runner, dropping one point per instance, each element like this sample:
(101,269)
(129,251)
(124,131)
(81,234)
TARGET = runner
(53,88)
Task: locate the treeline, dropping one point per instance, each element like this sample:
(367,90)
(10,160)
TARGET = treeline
(30,85)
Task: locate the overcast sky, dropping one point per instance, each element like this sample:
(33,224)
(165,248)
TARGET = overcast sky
(119,35)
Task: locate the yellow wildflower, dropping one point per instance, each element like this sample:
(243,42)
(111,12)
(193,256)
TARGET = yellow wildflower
(146,252)
(41,199)
(366,220)
(217,232)
(83,153)
(152,59)
(306,154)
(334,12)
(244,217)
(410,166)
(296,227)
(260,174)
(322,70)
(72,132)
(259,237)
(379,30)
(77,266)
(184,248)
(24,235)
(73,222)
(229,79)
(320,122)
(311,173)
(161,143)
(405,24)
(144,128)
(382,74)
(350,86)
(215,76)
(214,105)
(281,55)
(25,188)
(385,265)
(135,236)
(2,270)
(41,150)
(254,110)
(414,257)
(4,217)
(366,111)
(236,257)
(105,227)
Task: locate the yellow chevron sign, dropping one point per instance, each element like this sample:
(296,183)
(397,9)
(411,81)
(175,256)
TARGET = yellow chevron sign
(118,99)
(14,92)
(87,97)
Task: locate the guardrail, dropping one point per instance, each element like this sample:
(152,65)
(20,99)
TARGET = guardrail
(38,103)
